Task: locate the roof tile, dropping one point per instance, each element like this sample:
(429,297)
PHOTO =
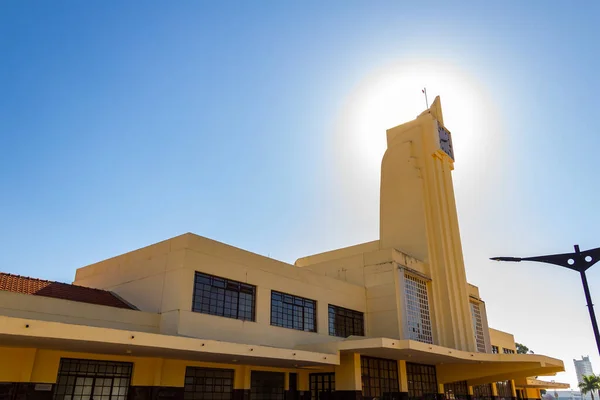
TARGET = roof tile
(59,290)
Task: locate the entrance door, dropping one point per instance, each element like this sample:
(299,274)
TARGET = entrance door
(267,385)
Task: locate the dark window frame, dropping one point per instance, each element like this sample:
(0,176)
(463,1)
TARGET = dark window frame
(422,381)
(215,295)
(200,381)
(495,349)
(267,385)
(482,392)
(508,351)
(344,322)
(378,374)
(79,377)
(457,390)
(321,382)
(285,310)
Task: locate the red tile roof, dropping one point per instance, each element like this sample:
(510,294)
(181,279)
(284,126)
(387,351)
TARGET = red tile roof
(58,290)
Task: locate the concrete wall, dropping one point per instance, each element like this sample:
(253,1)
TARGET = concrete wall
(503,340)
(42,366)
(160,279)
(50,309)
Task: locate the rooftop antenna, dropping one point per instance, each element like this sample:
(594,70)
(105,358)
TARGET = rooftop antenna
(424,90)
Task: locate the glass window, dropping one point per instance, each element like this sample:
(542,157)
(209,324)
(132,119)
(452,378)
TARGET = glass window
(417,309)
(456,390)
(504,390)
(87,379)
(422,381)
(477,327)
(495,350)
(508,351)
(379,376)
(293,312)
(320,383)
(267,385)
(482,392)
(223,297)
(208,383)
(344,322)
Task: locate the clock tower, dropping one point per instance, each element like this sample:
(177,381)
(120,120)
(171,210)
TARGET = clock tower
(418,217)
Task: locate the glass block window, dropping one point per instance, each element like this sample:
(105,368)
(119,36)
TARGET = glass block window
(267,385)
(422,381)
(417,309)
(482,392)
(293,312)
(321,383)
(344,322)
(495,350)
(504,390)
(379,376)
(208,384)
(91,379)
(477,326)
(508,351)
(456,390)
(223,297)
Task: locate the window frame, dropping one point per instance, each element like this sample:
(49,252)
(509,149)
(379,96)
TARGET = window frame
(417,307)
(293,302)
(228,286)
(351,315)
(376,378)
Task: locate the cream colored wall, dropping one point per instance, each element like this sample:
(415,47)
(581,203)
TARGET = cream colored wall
(418,217)
(58,310)
(160,278)
(503,340)
(41,366)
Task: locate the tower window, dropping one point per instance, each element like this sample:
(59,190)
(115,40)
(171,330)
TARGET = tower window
(418,318)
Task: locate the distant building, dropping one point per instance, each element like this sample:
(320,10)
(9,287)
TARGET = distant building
(583,368)
(568,395)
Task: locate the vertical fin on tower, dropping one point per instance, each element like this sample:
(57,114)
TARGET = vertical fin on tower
(436,110)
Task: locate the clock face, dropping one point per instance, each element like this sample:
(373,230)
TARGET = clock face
(445,140)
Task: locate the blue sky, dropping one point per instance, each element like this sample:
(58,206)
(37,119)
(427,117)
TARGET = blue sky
(123,124)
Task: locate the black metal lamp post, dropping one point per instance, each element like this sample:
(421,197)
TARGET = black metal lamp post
(579,261)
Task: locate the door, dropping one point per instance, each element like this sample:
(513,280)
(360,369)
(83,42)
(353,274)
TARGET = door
(267,385)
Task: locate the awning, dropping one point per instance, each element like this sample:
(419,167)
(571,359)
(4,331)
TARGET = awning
(19,332)
(539,384)
(451,365)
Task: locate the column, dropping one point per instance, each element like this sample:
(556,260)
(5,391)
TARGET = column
(494,391)
(441,395)
(348,383)
(241,383)
(513,390)
(402,380)
(470,393)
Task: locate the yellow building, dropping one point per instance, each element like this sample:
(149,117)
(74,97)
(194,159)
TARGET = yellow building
(191,318)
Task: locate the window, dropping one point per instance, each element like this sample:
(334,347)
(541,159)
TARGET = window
(320,383)
(495,350)
(293,312)
(344,322)
(482,392)
(508,351)
(417,309)
(504,390)
(267,385)
(477,327)
(379,376)
(208,383)
(91,379)
(422,381)
(223,297)
(456,390)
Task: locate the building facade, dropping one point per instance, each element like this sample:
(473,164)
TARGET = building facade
(191,318)
(583,368)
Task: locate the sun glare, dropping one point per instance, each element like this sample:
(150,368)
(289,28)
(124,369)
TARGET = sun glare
(392,96)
